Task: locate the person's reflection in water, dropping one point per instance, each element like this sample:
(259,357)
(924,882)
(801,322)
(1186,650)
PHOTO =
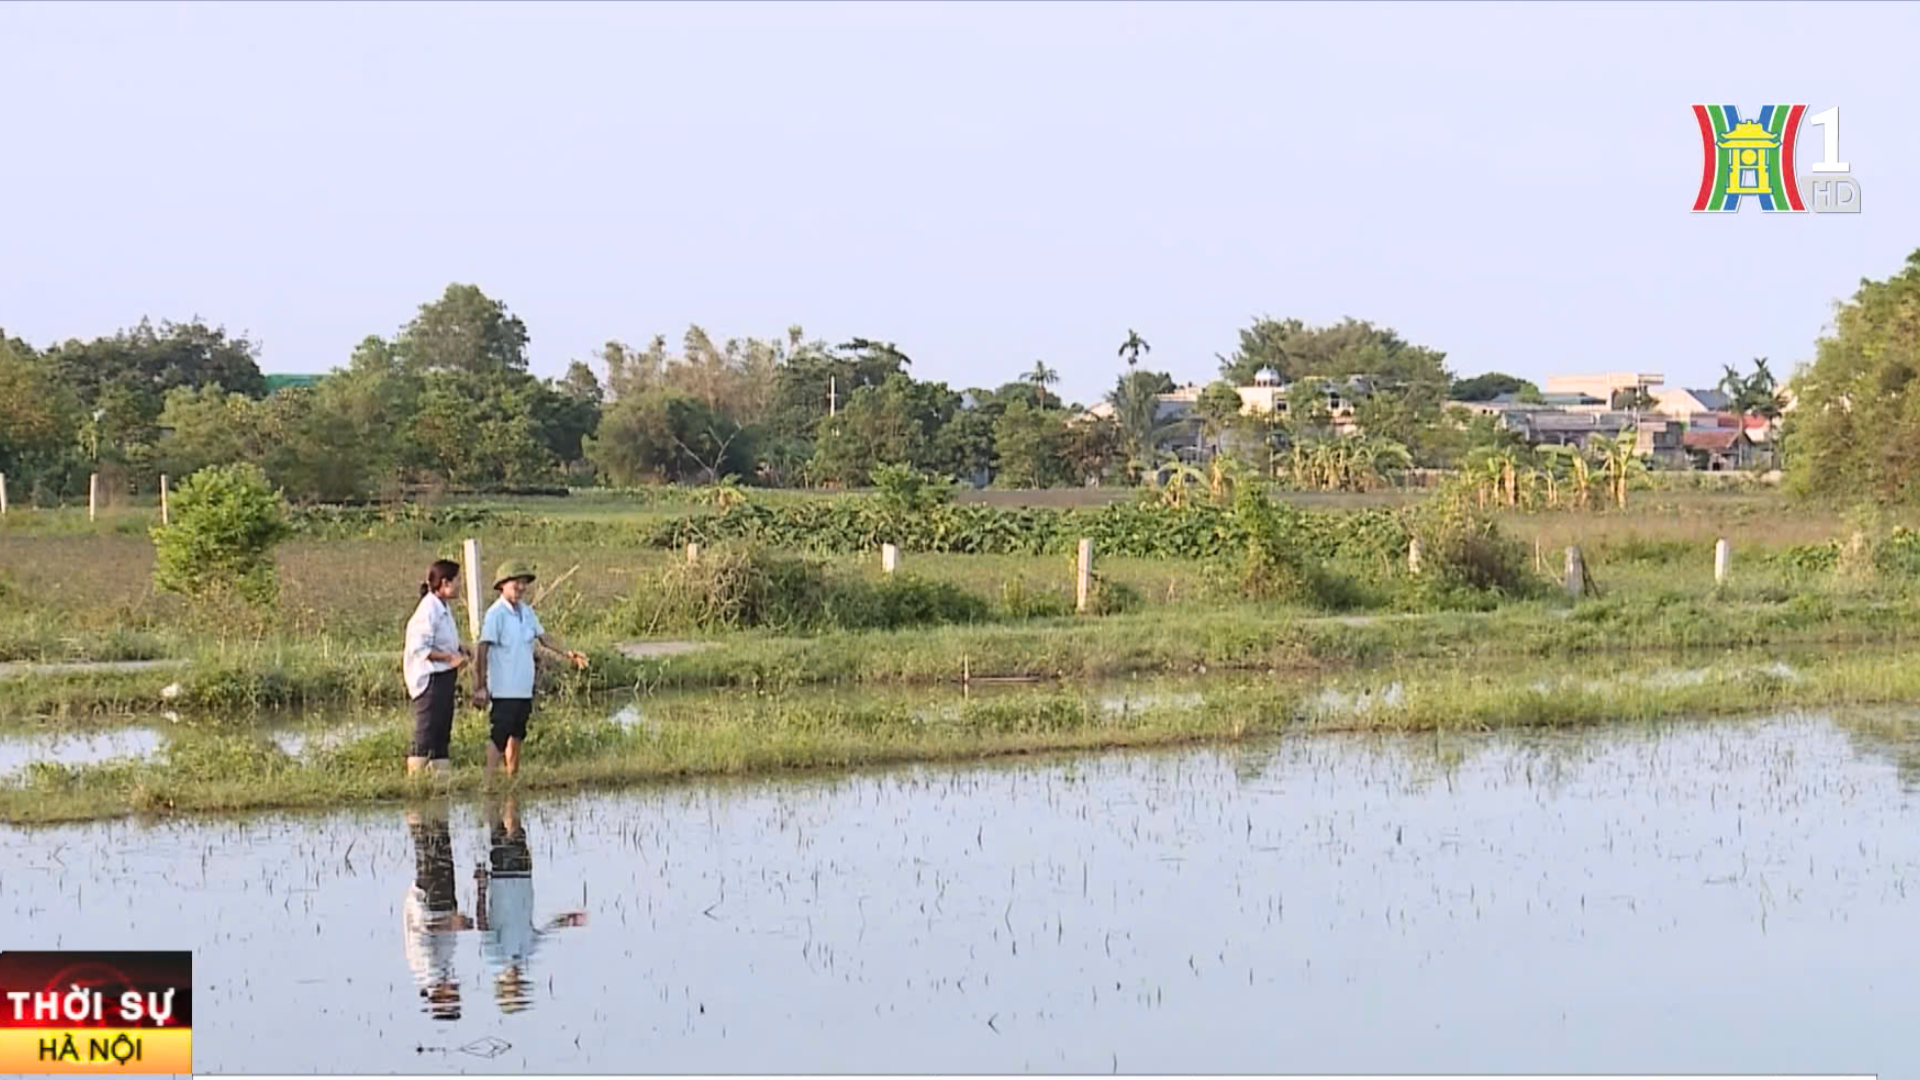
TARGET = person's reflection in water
(431,914)
(505,906)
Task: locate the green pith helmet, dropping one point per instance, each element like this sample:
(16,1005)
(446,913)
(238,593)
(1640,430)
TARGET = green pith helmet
(512,568)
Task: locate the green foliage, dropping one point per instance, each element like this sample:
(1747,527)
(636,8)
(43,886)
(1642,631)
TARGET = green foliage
(1855,432)
(226,521)
(895,423)
(1140,429)
(1490,385)
(903,490)
(1350,347)
(749,588)
(1463,546)
(1030,444)
(1276,560)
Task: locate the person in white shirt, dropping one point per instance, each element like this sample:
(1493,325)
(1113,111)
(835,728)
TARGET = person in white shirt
(503,675)
(431,662)
(430,913)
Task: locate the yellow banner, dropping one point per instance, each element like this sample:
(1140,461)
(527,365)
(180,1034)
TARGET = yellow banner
(132,1051)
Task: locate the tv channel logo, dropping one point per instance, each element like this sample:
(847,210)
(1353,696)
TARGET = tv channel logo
(1755,160)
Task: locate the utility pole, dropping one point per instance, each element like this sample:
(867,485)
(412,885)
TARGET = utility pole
(833,397)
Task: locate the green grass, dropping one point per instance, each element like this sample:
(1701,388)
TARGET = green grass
(1241,638)
(225,769)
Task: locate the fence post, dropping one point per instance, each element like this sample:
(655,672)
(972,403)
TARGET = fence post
(93,495)
(1083,576)
(164,517)
(1722,558)
(1576,572)
(693,554)
(470,554)
(889,558)
(1413,555)
(3,494)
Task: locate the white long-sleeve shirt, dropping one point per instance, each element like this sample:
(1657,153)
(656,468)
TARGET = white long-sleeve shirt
(431,629)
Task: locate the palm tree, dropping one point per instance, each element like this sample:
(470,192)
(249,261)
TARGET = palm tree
(1732,383)
(1579,472)
(1225,474)
(1042,376)
(1377,458)
(1136,411)
(1181,478)
(1131,348)
(1618,463)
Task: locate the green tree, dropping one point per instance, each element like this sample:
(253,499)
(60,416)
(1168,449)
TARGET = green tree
(1351,347)
(1043,377)
(1137,415)
(1490,385)
(1030,444)
(225,523)
(207,426)
(1091,447)
(38,420)
(464,332)
(1854,434)
(894,423)
(1219,408)
(964,445)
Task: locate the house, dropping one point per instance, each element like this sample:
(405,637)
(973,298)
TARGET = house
(1714,449)
(1656,438)
(1504,404)
(1688,405)
(277,382)
(1604,386)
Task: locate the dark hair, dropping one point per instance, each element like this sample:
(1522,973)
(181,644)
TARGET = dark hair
(441,572)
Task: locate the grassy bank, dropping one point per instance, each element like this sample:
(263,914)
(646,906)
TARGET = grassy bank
(224,770)
(1248,638)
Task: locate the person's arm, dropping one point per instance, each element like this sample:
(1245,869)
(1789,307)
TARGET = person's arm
(489,635)
(420,644)
(552,644)
(480,673)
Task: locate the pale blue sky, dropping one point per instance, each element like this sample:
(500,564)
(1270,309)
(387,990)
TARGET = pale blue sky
(985,184)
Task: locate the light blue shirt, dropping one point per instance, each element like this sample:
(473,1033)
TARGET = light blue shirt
(509,634)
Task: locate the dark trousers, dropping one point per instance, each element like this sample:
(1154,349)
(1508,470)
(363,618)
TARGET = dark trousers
(433,717)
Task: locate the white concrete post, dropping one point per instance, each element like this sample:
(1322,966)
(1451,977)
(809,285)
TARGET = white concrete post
(1083,576)
(470,554)
(1576,573)
(165,519)
(93,496)
(889,558)
(1722,560)
(693,554)
(1413,555)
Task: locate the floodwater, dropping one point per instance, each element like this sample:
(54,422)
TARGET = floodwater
(1711,897)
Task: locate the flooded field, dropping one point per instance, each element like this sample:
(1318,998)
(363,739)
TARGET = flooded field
(1713,897)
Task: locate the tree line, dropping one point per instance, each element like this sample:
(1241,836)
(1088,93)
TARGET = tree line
(448,401)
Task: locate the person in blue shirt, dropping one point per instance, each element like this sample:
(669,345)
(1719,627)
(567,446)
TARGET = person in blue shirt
(504,669)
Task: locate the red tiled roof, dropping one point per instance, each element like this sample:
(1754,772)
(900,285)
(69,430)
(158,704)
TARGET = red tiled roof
(1718,440)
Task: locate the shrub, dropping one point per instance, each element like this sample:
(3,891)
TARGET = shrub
(731,588)
(1463,546)
(748,588)
(226,521)
(899,601)
(1114,598)
(1019,603)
